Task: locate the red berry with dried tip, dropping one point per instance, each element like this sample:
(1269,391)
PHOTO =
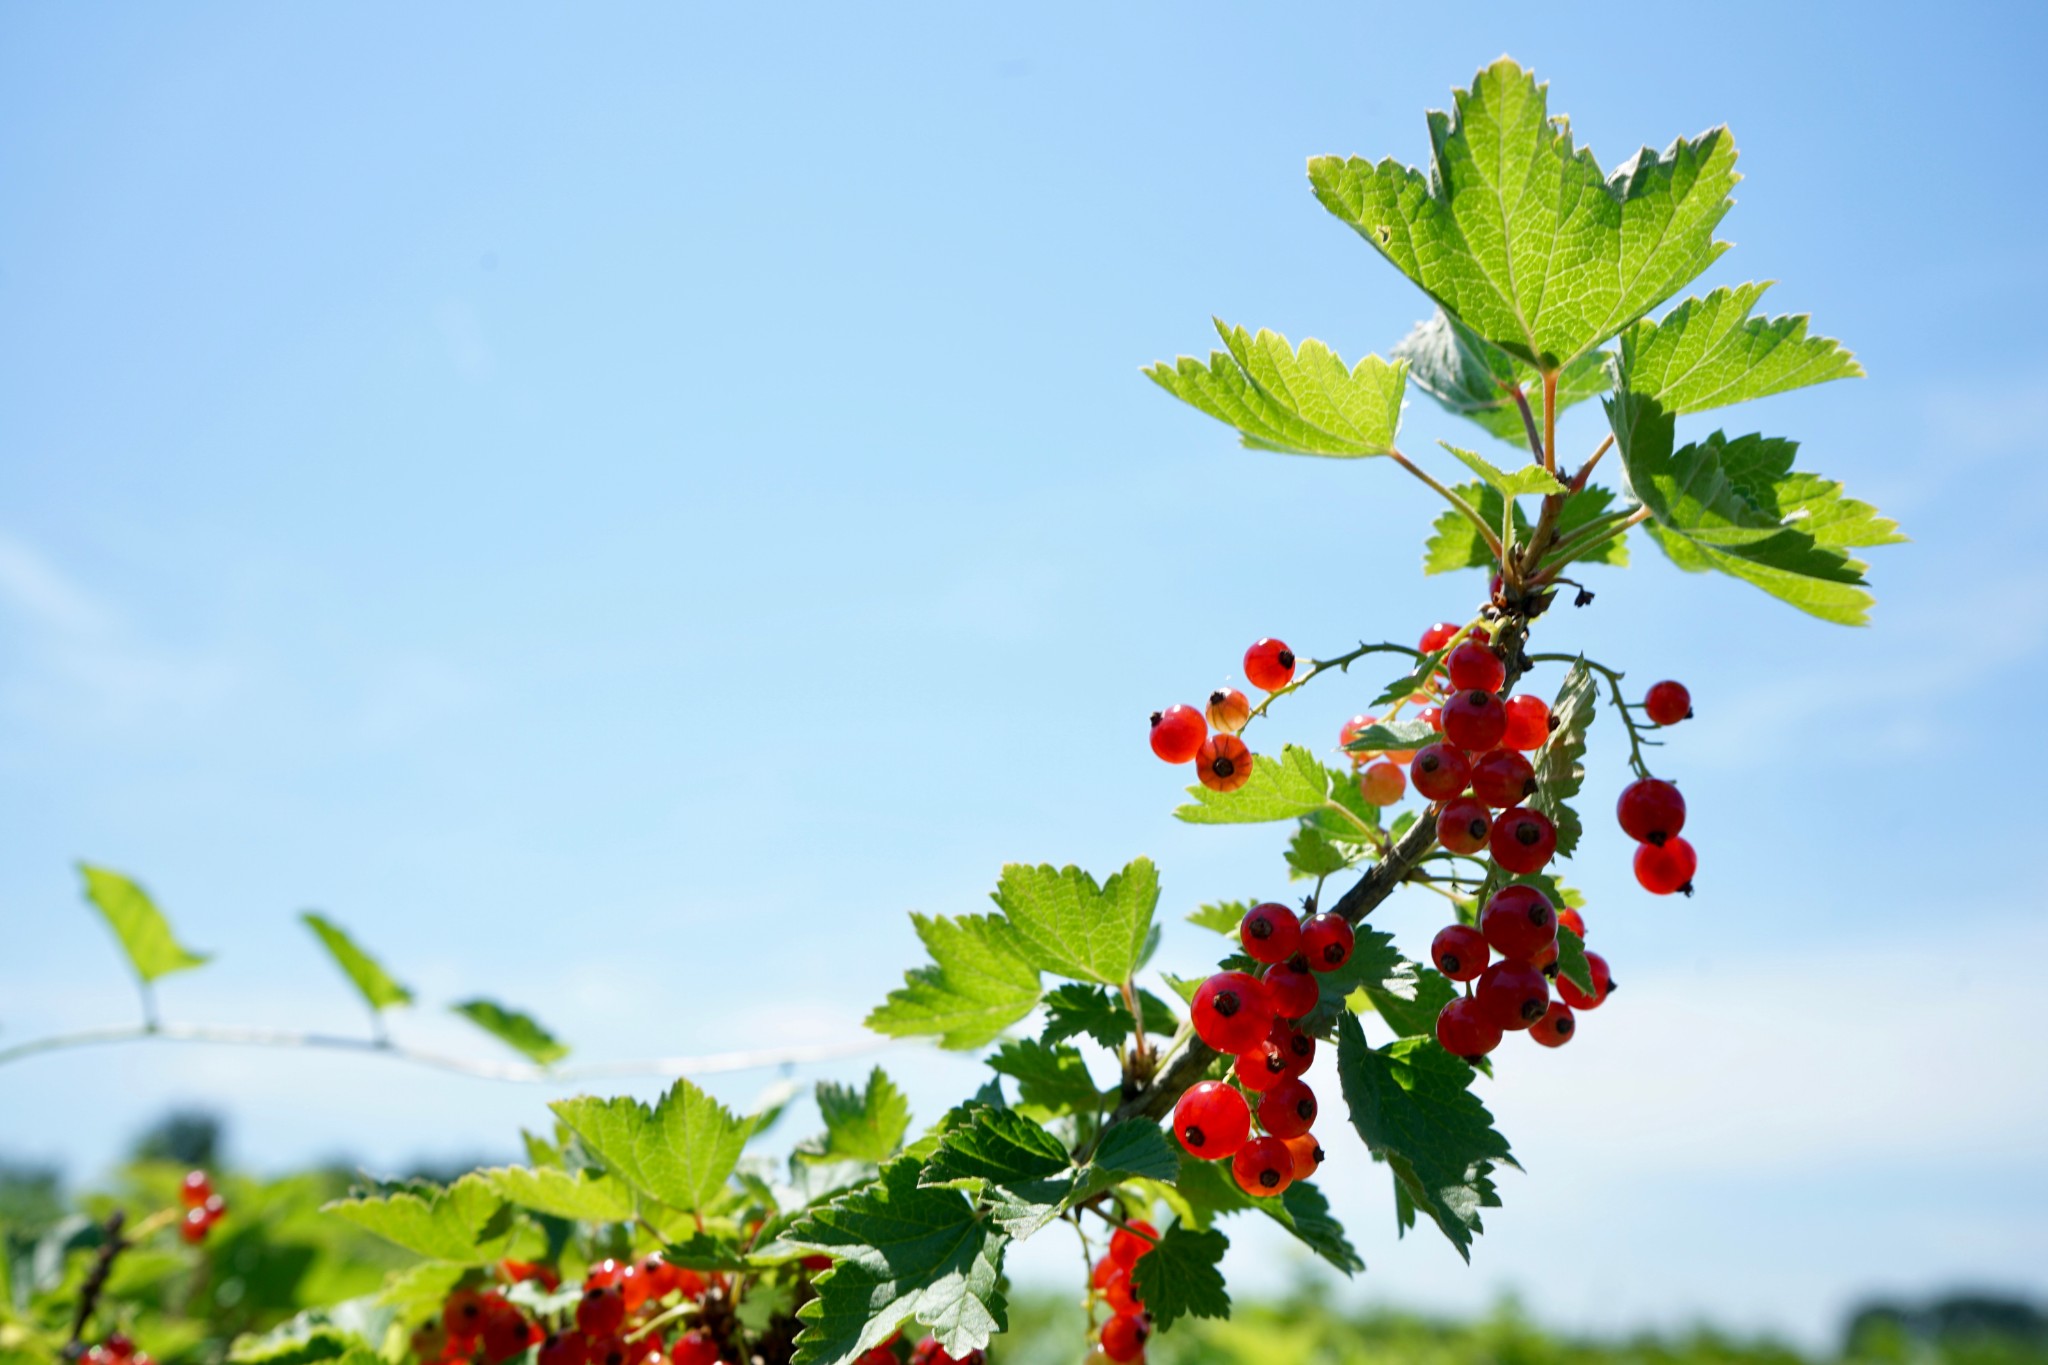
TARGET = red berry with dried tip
(1474,720)
(1513,995)
(1568,918)
(1503,778)
(1650,811)
(1556,1027)
(1223,763)
(1269,932)
(1232,1011)
(1463,825)
(1256,1068)
(1528,722)
(1177,733)
(1522,840)
(1135,1239)
(1263,1167)
(1269,664)
(1440,771)
(1326,942)
(1291,988)
(1518,923)
(1307,1153)
(1228,710)
(1288,1108)
(1212,1120)
(1603,982)
(1667,867)
(1668,703)
(1475,668)
(1460,952)
(1464,1029)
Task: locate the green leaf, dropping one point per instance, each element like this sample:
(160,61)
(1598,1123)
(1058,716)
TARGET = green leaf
(1583,508)
(1180,1277)
(903,1253)
(1399,734)
(679,1152)
(867,1124)
(1410,1005)
(1008,1162)
(1136,1148)
(452,1224)
(1223,917)
(520,1032)
(1571,960)
(378,990)
(1071,927)
(1296,402)
(1454,542)
(1559,769)
(1758,533)
(350,1330)
(1411,1101)
(1374,961)
(1517,232)
(1285,788)
(583,1197)
(1054,1077)
(1472,379)
(1525,480)
(980,983)
(1075,1009)
(144,933)
(1311,855)
(1707,353)
(1303,1211)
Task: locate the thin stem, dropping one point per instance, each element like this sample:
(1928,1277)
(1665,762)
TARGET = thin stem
(1528,421)
(1470,512)
(1550,420)
(1317,667)
(1580,545)
(1136,1006)
(1636,742)
(1579,479)
(95,1282)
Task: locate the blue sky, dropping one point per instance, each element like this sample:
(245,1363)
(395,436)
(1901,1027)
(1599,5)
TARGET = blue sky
(618,507)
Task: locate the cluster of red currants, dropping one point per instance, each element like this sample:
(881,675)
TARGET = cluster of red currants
(1123,1337)
(116,1350)
(203,1208)
(1180,733)
(1254,1019)
(1512,955)
(1652,812)
(609,1326)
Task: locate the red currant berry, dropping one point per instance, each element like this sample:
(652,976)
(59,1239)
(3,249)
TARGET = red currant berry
(1568,918)
(215,1208)
(1116,1288)
(1464,1030)
(1212,1120)
(1513,995)
(1288,1109)
(1463,824)
(1433,717)
(601,1310)
(1132,1241)
(1123,1337)
(660,1278)
(1503,778)
(1436,637)
(1269,933)
(1228,710)
(1232,1011)
(1556,1027)
(193,1228)
(1259,1067)
(1177,733)
(604,1273)
(1223,763)
(462,1316)
(1667,867)
(634,1289)
(195,1188)
(1459,952)
(694,1348)
(1668,703)
(1522,840)
(1308,1154)
(1291,988)
(506,1333)
(1440,771)
(1518,923)
(1528,722)
(1269,664)
(1650,811)
(1263,1167)
(1474,721)
(1295,1049)
(1475,668)
(1326,941)
(1350,730)
(562,1348)
(1383,783)
(1603,982)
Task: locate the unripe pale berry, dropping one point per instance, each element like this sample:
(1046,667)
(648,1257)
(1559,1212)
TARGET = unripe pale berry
(1263,1167)
(1463,825)
(1223,763)
(1326,942)
(1518,923)
(1269,664)
(1464,1029)
(1650,811)
(1440,771)
(1228,710)
(1212,1120)
(1667,867)
(1513,995)
(1383,783)
(1522,840)
(1232,1011)
(1668,703)
(1460,952)
(1474,720)
(1269,932)
(1528,722)
(1177,733)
